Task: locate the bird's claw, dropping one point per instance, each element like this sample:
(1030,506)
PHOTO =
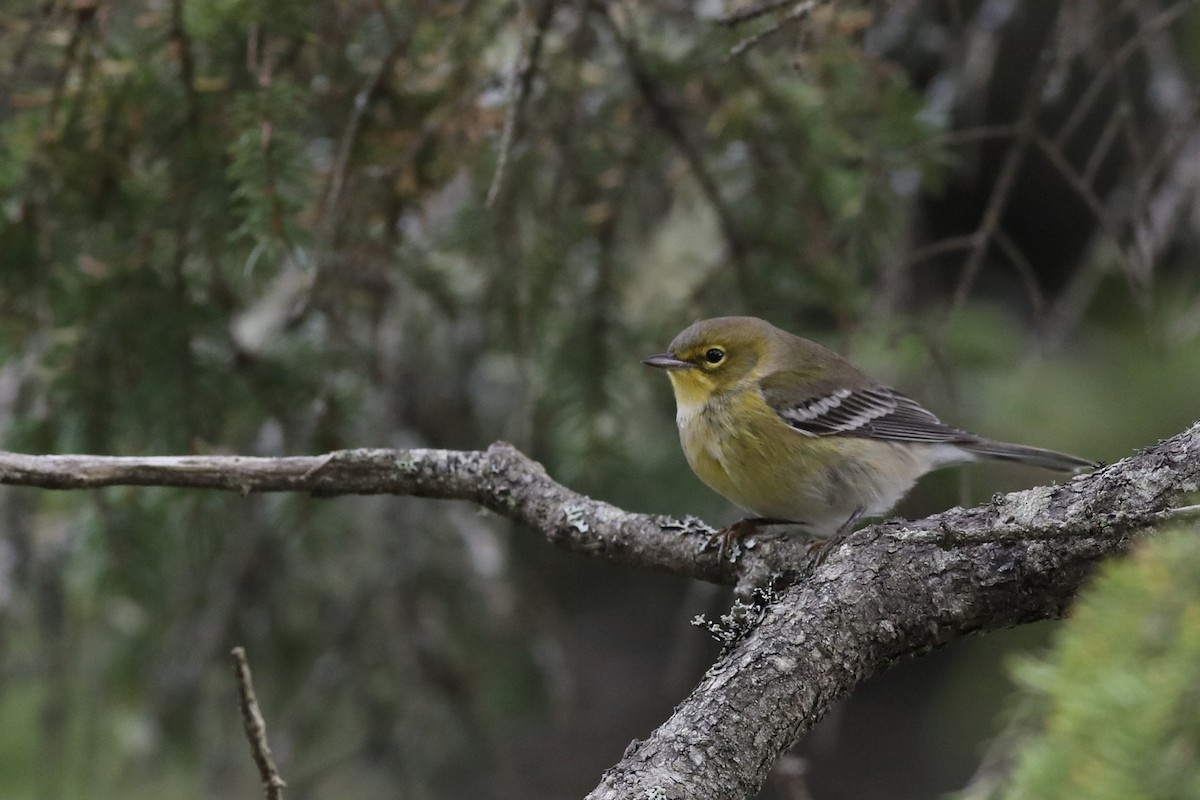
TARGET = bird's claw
(728,541)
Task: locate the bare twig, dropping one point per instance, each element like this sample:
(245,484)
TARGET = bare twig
(754,10)
(667,119)
(998,201)
(1163,181)
(1072,302)
(1114,63)
(941,246)
(516,91)
(1023,268)
(256,727)
(976,133)
(793,14)
(362,99)
(1104,142)
(500,478)
(1136,269)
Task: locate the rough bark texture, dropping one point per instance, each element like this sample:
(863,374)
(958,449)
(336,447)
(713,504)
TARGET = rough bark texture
(890,591)
(500,478)
(886,592)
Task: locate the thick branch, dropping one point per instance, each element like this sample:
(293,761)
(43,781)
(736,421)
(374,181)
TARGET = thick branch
(890,591)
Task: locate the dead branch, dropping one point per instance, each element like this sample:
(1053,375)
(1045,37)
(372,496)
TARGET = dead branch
(501,479)
(256,727)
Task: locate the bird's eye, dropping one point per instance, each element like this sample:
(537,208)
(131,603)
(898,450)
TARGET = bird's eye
(714,355)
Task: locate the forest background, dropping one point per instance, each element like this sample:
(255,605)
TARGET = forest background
(275,228)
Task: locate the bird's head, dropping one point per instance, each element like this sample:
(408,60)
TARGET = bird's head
(714,356)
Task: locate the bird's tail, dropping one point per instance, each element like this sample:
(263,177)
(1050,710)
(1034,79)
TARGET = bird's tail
(1023,454)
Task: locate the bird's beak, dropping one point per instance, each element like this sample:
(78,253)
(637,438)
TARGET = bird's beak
(666,361)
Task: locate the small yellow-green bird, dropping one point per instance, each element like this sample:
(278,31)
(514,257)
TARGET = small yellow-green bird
(792,432)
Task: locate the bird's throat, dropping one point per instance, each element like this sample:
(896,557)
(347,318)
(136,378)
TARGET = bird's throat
(692,394)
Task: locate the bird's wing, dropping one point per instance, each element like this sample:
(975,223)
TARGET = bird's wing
(871,411)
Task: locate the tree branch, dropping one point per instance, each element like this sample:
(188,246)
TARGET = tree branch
(890,591)
(501,479)
(256,727)
(885,592)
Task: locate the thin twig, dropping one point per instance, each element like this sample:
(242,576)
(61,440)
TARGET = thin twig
(1135,268)
(668,120)
(1025,131)
(976,133)
(948,245)
(793,14)
(1104,142)
(514,98)
(752,11)
(350,136)
(516,91)
(1113,63)
(1071,304)
(1023,268)
(256,727)
(1160,174)
(1180,512)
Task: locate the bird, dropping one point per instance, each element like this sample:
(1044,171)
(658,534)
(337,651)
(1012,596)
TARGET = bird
(795,434)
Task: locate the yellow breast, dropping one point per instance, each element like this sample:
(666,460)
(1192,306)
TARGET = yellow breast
(744,451)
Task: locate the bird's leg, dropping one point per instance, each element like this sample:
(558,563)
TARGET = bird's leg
(850,522)
(821,550)
(726,538)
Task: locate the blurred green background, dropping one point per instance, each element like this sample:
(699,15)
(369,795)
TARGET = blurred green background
(264,227)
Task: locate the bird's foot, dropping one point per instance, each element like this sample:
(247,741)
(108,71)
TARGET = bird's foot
(818,551)
(727,539)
